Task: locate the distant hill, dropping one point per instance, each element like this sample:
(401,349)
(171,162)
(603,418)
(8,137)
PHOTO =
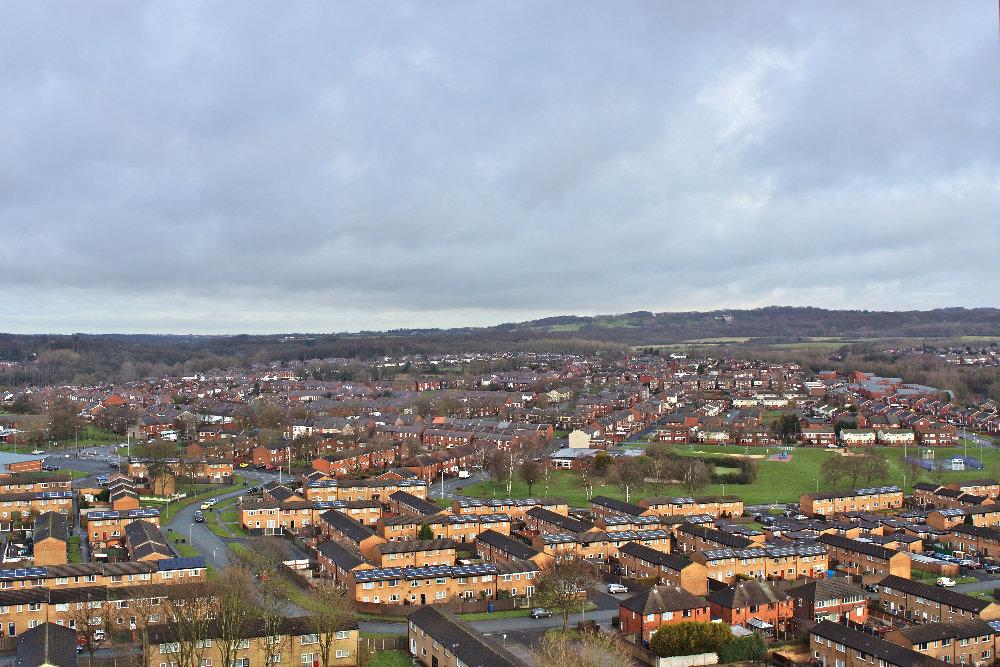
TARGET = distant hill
(99,357)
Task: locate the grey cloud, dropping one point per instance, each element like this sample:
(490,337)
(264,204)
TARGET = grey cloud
(198,167)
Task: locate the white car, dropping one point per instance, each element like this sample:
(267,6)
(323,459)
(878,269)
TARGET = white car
(617,588)
(38,451)
(945,582)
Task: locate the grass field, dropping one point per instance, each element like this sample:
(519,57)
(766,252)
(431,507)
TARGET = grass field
(391,659)
(776,482)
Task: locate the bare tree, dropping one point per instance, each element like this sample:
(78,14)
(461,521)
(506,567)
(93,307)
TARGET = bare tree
(565,588)
(588,650)
(145,606)
(530,472)
(92,623)
(270,611)
(190,619)
(330,611)
(234,592)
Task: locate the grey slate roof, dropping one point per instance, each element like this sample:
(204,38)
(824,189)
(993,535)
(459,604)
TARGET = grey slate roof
(468,644)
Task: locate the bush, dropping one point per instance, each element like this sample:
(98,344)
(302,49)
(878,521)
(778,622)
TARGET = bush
(689,638)
(740,649)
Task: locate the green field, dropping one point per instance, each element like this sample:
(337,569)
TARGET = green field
(562,483)
(776,481)
(391,659)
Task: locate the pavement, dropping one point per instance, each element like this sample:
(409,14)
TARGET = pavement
(214,548)
(983,585)
(524,629)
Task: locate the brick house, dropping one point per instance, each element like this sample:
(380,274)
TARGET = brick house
(752,603)
(835,600)
(648,610)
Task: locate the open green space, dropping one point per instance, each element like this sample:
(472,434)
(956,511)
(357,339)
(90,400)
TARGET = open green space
(186,550)
(777,482)
(74,549)
(391,659)
(562,483)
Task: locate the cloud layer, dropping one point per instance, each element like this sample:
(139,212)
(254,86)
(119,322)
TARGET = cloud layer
(337,166)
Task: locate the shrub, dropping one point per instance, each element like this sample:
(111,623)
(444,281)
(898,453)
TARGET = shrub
(740,649)
(689,638)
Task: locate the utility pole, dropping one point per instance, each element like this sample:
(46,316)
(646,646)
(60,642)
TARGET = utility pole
(442,482)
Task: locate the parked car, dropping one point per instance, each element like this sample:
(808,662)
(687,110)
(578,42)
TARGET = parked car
(463,474)
(872,587)
(617,588)
(991,568)
(967,562)
(945,582)
(36,452)
(539,612)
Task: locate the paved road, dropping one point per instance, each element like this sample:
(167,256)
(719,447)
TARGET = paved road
(636,438)
(524,628)
(985,585)
(211,546)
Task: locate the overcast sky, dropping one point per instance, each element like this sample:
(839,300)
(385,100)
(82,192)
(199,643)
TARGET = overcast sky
(226,167)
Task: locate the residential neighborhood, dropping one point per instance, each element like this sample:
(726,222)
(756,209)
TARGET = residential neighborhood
(441,494)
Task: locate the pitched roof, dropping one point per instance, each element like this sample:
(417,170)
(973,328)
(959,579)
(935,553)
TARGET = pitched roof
(346,526)
(827,589)
(857,546)
(618,505)
(468,644)
(339,554)
(409,546)
(935,594)
(896,655)
(145,539)
(507,544)
(556,519)
(661,599)
(748,593)
(50,525)
(675,562)
(931,632)
(47,644)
